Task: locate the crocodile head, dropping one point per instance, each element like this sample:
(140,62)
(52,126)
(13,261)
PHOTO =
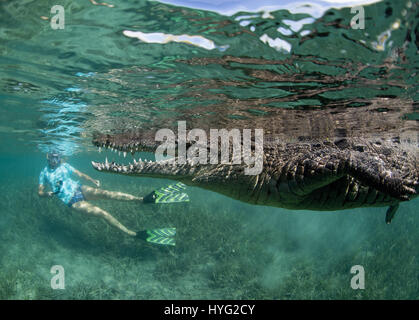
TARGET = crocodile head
(232,177)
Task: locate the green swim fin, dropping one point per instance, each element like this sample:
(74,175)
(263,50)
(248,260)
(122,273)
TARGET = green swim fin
(163,236)
(170,194)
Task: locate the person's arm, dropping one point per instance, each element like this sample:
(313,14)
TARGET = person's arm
(41,187)
(85,176)
(42,193)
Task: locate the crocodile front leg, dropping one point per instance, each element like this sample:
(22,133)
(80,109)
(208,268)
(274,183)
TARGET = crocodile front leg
(332,179)
(374,172)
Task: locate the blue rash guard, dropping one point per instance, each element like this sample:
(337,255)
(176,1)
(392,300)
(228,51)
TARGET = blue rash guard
(61,184)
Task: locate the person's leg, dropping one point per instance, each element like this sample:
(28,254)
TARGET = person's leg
(85,207)
(95,194)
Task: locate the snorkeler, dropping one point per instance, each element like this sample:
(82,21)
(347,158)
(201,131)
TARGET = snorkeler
(57,175)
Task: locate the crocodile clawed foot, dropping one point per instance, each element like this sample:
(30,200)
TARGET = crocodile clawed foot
(411,187)
(405,189)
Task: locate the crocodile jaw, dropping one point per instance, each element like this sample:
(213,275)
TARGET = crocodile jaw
(158,169)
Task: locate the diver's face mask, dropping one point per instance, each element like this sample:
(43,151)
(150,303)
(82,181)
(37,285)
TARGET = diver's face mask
(54,160)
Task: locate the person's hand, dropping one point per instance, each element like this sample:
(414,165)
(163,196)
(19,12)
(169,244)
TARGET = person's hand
(50,193)
(97,183)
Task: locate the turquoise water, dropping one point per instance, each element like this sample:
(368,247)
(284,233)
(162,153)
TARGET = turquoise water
(104,71)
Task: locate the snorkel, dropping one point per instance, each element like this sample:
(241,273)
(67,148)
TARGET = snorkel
(54,159)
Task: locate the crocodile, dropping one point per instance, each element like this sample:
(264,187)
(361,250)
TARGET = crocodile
(322,173)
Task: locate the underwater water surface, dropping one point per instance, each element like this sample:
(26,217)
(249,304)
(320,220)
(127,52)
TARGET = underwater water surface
(128,64)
